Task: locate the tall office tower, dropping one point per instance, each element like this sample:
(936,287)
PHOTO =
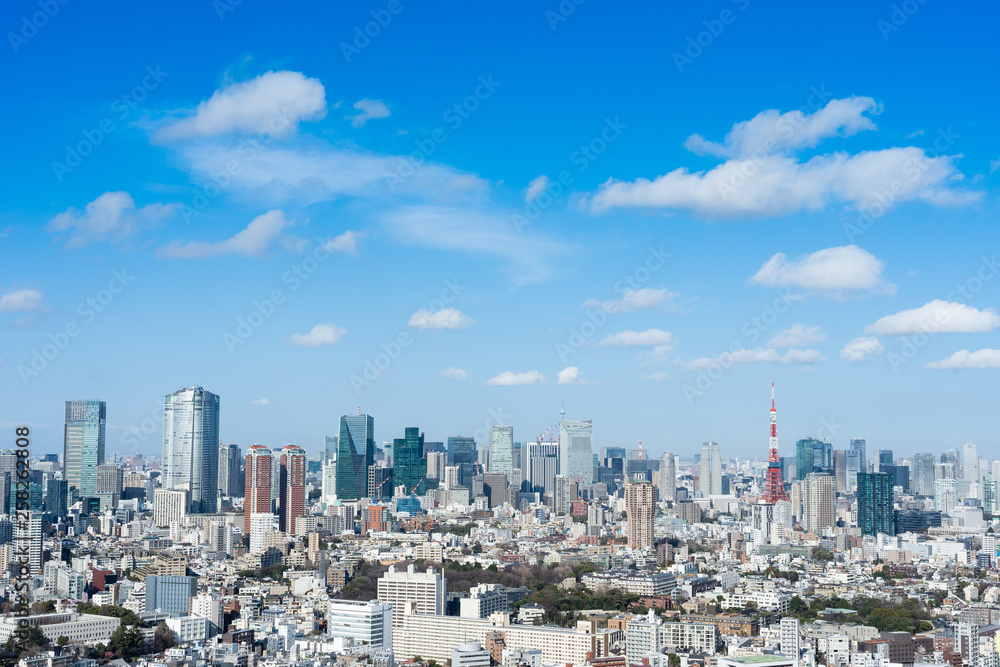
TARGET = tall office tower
(495,488)
(812,455)
(564,493)
(945,494)
(56,497)
(379,481)
(168,506)
(502,450)
(293,487)
(462,453)
(409,467)
(83,444)
(668,477)
(436,463)
(875,498)
(28,540)
(258,484)
(818,507)
(170,593)
(950,456)
(991,503)
(275,477)
(640,510)
(774,487)
(576,450)
(426,589)
(355,452)
(542,473)
(110,481)
(854,465)
(884,459)
(710,470)
(923,474)
(230,471)
(788,630)
(858,445)
(191,447)
(840,469)
(970,462)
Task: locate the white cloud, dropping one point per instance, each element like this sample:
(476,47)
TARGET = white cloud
(255,240)
(658,376)
(571,375)
(762,176)
(272,103)
(937,316)
(454,373)
(753,356)
(861,349)
(21,300)
(647,297)
(994,165)
(446,318)
(647,338)
(836,271)
(510,379)
(370,109)
(797,335)
(260,402)
(346,242)
(111,217)
(772,131)
(536,187)
(985,358)
(319,336)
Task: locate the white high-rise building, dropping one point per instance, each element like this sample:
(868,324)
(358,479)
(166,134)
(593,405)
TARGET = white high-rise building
(502,450)
(818,502)
(576,450)
(710,470)
(427,589)
(945,494)
(28,537)
(260,525)
(970,462)
(668,477)
(168,507)
(191,447)
(789,638)
(365,622)
(209,606)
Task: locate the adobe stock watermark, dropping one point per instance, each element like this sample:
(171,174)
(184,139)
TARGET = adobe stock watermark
(898,17)
(562,12)
(264,309)
(363,35)
(581,158)
(248,150)
(121,108)
(133,436)
(31,24)
(881,202)
(454,116)
(786,127)
(698,43)
(376,366)
(87,311)
(962,293)
(585,331)
(751,331)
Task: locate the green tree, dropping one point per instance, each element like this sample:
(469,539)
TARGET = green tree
(62,640)
(126,642)
(163,638)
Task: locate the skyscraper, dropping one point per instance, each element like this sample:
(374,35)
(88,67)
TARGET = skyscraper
(56,495)
(875,498)
(110,480)
(818,509)
(576,450)
(970,463)
(462,453)
(855,465)
(83,444)
(710,470)
(355,451)
(230,471)
(191,447)
(640,509)
(812,455)
(858,445)
(668,477)
(293,487)
(788,632)
(884,459)
(923,474)
(258,484)
(409,467)
(502,450)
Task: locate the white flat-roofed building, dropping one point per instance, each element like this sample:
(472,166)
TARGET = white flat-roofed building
(84,628)
(470,654)
(364,622)
(639,583)
(427,589)
(189,629)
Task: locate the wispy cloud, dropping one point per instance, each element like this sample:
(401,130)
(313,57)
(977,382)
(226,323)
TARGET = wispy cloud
(446,318)
(571,375)
(454,373)
(21,300)
(634,299)
(510,379)
(797,335)
(862,349)
(254,241)
(369,110)
(319,336)
(985,358)
(753,356)
(260,402)
(112,217)
(937,316)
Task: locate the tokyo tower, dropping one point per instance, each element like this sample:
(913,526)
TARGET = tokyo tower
(774,489)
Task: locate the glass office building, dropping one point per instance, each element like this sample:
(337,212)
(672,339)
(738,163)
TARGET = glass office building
(191,447)
(83,444)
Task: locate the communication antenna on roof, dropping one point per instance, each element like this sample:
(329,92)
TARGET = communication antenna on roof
(562,411)
(359,410)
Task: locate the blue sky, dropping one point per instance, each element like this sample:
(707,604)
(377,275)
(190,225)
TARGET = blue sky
(650,212)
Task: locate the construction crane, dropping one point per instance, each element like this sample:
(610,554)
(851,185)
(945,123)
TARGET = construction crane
(547,432)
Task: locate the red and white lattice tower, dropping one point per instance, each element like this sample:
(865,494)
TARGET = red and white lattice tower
(774,489)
